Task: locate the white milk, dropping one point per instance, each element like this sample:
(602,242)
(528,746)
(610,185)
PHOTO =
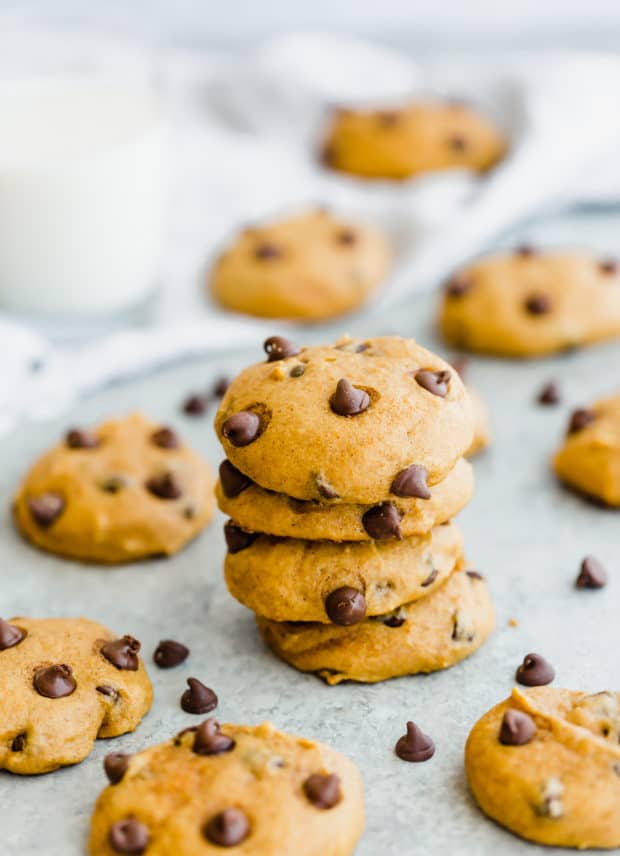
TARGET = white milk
(81,197)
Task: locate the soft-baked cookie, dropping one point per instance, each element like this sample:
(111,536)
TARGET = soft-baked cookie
(126,490)
(420,137)
(250,789)
(286,579)
(482,423)
(310,266)
(589,459)
(545,763)
(530,303)
(430,634)
(355,421)
(63,683)
(258,510)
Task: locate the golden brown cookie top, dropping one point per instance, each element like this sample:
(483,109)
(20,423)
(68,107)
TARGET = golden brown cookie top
(354,421)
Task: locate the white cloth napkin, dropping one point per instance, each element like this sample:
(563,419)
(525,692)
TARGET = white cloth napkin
(242,147)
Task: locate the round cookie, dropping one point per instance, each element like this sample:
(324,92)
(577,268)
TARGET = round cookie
(65,682)
(250,789)
(344,421)
(420,137)
(259,510)
(545,764)
(589,460)
(482,423)
(127,490)
(285,579)
(308,267)
(529,303)
(430,634)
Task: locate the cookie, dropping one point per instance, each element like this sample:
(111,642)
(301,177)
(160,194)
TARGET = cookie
(308,267)
(128,489)
(350,422)
(252,789)
(417,138)
(257,510)
(589,459)
(482,423)
(529,303)
(64,683)
(286,579)
(430,634)
(545,764)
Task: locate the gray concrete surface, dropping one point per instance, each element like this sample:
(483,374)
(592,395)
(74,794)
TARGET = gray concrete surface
(522,530)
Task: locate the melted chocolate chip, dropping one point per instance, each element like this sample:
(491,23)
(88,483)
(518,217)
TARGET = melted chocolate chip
(128,836)
(346,237)
(10,635)
(18,744)
(297,370)
(525,251)
(267,251)
(535,671)
(55,681)
(382,522)
(411,482)
(549,394)
(608,266)
(325,489)
(198,698)
(349,400)
(76,438)
(323,790)
(458,143)
(388,118)
(538,304)
(195,405)
(345,606)
(233,481)
(46,508)
(394,621)
(592,574)
(209,739)
(238,539)
(430,579)
(278,348)
(242,428)
(435,382)
(115,765)
(164,486)
(107,690)
(170,653)
(580,419)
(165,438)
(113,484)
(414,745)
(517,728)
(458,286)
(227,828)
(123,653)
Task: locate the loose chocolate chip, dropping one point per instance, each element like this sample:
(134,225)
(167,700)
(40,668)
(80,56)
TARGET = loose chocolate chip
(414,745)
(198,698)
(220,386)
(592,574)
(115,765)
(238,539)
(123,653)
(228,828)
(78,439)
(278,348)
(608,266)
(394,621)
(349,400)
(233,481)
(346,237)
(267,251)
(195,405)
(430,578)
(411,482)
(549,394)
(535,671)
(128,836)
(297,370)
(55,681)
(46,508)
(242,428)
(209,739)
(580,419)
(107,690)
(458,143)
(526,251)
(382,522)
(325,489)
(345,606)
(435,382)
(19,743)
(170,653)
(458,286)
(323,790)
(538,304)
(165,438)
(10,635)
(164,486)
(517,728)
(475,575)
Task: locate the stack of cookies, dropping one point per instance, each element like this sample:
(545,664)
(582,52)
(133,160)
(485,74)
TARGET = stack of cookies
(344,470)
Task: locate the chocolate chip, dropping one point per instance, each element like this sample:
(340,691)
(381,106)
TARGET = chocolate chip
(394,621)
(128,836)
(79,439)
(198,698)
(164,486)
(608,266)
(525,251)
(346,237)
(549,394)
(297,370)
(580,419)
(475,575)
(349,400)
(435,382)
(458,143)
(220,386)
(325,489)
(458,286)
(107,690)
(115,765)
(123,653)
(209,739)
(233,481)
(18,743)
(55,681)
(411,482)
(592,574)
(388,118)
(170,653)
(228,828)
(278,348)
(195,405)
(345,606)
(430,579)
(414,745)
(10,635)
(535,671)
(238,539)
(382,522)
(113,484)
(538,304)
(267,251)
(459,364)
(165,438)
(242,428)
(46,508)
(323,790)
(517,728)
